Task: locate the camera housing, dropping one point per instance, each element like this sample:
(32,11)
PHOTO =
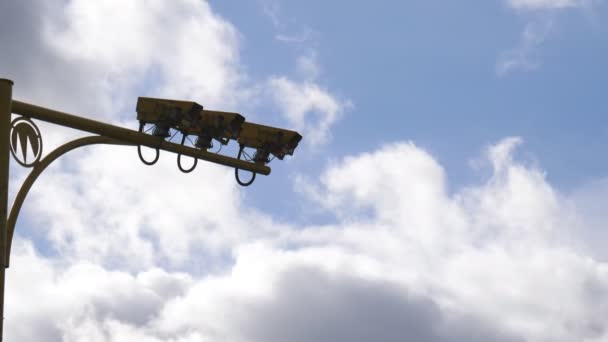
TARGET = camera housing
(166,114)
(268,140)
(190,118)
(218,125)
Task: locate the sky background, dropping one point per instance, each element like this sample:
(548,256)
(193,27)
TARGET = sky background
(450,185)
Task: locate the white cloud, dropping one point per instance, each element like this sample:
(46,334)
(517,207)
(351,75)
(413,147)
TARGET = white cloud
(523,57)
(272,9)
(503,249)
(406,258)
(98,67)
(116,211)
(307,107)
(499,260)
(193,50)
(305,35)
(50,300)
(308,66)
(537,30)
(95,58)
(589,201)
(547,4)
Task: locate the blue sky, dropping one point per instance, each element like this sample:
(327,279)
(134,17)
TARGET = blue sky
(451,184)
(426,71)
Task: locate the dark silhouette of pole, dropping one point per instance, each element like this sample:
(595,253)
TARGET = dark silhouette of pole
(6,93)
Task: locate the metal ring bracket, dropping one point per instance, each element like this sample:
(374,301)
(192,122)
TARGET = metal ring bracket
(236,171)
(141,157)
(179,160)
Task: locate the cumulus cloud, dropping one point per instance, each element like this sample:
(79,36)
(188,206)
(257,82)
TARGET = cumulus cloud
(307,107)
(56,301)
(67,57)
(192,51)
(182,50)
(405,259)
(501,249)
(589,200)
(118,212)
(302,303)
(77,62)
(129,252)
(294,302)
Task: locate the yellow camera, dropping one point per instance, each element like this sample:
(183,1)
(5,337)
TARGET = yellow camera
(190,118)
(268,140)
(166,114)
(213,124)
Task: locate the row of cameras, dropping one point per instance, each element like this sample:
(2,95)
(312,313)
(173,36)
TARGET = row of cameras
(189,118)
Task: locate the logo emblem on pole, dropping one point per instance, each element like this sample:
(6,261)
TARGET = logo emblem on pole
(25,142)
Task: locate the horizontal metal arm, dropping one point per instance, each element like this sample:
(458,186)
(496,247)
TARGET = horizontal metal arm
(128,136)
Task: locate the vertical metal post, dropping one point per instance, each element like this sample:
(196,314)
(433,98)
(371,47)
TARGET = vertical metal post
(6,93)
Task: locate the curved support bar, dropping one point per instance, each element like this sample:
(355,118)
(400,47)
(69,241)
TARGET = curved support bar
(141,129)
(37,170)
(145,161)
(179,160)
(241,183)
(236,171)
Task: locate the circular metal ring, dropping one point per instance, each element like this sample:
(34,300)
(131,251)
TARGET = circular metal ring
(236,170)
(141,157)
(25,137)
(179,159)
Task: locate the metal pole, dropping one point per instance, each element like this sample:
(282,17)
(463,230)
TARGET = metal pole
(6,91)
